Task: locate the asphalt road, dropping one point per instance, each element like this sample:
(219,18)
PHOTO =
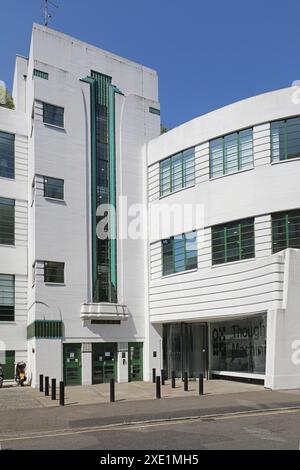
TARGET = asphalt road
(278,430)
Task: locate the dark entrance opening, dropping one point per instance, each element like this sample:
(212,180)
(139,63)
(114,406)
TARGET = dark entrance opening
(185,349)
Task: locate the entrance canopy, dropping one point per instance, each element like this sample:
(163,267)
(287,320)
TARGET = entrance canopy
(104,311)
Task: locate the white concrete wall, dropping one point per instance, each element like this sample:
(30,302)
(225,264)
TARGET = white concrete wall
(245,287)
(13,259)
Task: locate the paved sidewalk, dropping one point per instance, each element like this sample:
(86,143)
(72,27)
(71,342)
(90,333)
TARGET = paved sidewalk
(136,391)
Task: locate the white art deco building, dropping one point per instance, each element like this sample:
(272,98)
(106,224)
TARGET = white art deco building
(220,296)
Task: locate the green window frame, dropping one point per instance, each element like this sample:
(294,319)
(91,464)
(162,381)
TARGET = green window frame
(53,115)
(54,272)
(285,230)
(7,221)
(179,253)
(231,153)
(7,155)
(53,188)
(285,139)
(7,298)
(40,74)
(233,241)
(7,360)
(177,172)
(45,329)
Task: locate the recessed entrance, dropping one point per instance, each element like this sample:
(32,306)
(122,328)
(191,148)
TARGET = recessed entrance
(104,365)
(135,362)
(185,349)
(72,364)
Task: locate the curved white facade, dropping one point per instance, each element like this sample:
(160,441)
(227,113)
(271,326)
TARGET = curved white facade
(266,283)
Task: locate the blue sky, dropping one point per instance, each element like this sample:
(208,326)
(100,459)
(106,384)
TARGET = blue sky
(207,53)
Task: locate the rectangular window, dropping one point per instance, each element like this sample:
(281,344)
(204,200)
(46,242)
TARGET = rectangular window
(285,139)
(7,298)
(179,253)
(53,188)
(40,74)
(53,115)
(177,172)
(231,153)
(7,155)
(7,221)
(285,230)
(54,272)
(233,241)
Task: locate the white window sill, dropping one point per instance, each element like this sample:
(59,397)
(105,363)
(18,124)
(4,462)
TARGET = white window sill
(231,174)
(231,263)
(177,191)
(7,246)
(55,284)
(188,271)
(54,199)
(296,159)
(53,126)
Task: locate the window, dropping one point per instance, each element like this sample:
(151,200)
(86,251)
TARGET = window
(53,188)
(53,115)
(177,172)
(7,221)
(285,230)
(7,155)
(233,241)
(54,272)
(179,253)
(40,74)
(231,153)
(7,298)
(285,139)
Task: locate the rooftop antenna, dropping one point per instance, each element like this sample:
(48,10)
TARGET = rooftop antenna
(47,15)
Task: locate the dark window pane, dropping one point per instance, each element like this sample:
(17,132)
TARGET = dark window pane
(294,229)
(293,137)
(279,233)
(247,239)
(53,115)
(167,251)
(53,188)
(7,155)
(7,297)
(179,256)
(191,251)
(218,245)
(7,221)
(278,140)
(54,272)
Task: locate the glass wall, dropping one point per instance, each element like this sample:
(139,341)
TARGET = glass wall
(185,346)
(239,345)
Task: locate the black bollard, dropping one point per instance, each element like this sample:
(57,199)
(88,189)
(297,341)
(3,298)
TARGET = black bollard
(112,390)
(61,393)
(173,379)
(154,375)
(53,389)
(201,388)
(158,390)
(41,383)
(162,374)
(46,386)
(186,382)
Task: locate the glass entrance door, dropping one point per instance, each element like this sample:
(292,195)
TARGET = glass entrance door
(135,362)
(104,362)
(72,364)
(185,349)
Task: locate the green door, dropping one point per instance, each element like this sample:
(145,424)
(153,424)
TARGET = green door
(72,364)
(135,362)
(104,362)
(9,366)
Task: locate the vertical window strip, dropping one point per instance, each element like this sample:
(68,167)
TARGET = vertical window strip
(177,172)
(285,139)
(7,297)
(231,153)
(7,155)
(175,253)
(285,230)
